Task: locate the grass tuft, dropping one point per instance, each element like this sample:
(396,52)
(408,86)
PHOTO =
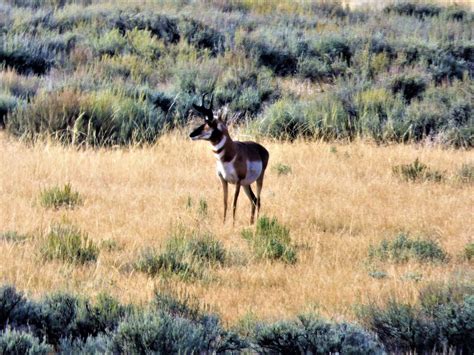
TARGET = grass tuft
(69,244)
(185,254)
(57,197)
(282,169)
(271,240)
(417,172)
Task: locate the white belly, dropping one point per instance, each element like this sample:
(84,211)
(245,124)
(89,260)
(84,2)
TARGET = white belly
(227,171)
(254,169)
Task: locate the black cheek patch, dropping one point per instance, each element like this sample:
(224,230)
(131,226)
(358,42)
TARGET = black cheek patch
(197,131)
(216,135)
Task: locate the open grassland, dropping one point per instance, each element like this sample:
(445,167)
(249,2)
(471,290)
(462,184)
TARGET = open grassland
(337,201)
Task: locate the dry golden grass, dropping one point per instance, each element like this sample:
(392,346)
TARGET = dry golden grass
(336,204)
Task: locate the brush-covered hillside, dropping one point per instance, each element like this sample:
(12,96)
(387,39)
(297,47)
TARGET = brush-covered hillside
(107,73)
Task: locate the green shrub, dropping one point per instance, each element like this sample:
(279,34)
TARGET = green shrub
(102,316)
(67,243)
(410,87)
(314,69)
(282,169)
(285,119)
(202,36)
(152,263)
(271,54)
(185,254)
(165,334)
(13,237)
(99,118)
(18,342)
(26,55)
(404,248)
(413,9)
(271,240)
(57,197)
(313,335)
(245,88)
(110,43)
(185,306)
(417,172)
(469,251)
(455,13)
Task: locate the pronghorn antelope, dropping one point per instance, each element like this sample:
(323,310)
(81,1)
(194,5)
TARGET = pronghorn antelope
(239,163)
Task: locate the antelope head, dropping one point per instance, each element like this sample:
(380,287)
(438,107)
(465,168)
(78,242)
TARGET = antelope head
(206,130)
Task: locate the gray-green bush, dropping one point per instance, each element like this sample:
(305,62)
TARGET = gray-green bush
(444,319)
(403,248)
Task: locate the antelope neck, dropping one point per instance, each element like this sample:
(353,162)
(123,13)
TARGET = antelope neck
(223,147)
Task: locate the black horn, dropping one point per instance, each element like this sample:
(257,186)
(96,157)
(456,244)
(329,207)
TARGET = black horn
(207,112)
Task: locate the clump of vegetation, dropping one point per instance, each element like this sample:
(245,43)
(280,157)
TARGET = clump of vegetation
(13,237)
(466,173)
(417,172)
(203,207)
(403,248)
(469,251)
(443,319)
(409,87)
(74,325)
(282,169)
(22,342)
(185,254)
(69,244)
(310,334)
(377,274)
(57,197)
(271,240)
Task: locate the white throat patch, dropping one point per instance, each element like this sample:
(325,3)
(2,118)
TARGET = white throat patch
(219,145)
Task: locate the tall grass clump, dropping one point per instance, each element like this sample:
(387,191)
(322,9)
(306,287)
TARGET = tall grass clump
(69,244)
(417,172)
(271,240)
(403,248)
(185,254)
(57,197)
